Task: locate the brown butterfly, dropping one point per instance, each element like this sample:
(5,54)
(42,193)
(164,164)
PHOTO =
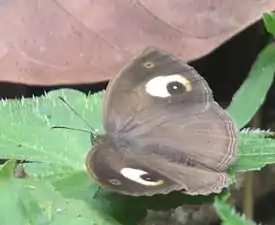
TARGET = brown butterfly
(164,131)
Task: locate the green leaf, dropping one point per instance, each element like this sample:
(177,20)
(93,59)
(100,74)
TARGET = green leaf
(28,201)
(228,215)
(251,95)
(26,128)
(7,170)
(269,22)
(255,150)
(59,154)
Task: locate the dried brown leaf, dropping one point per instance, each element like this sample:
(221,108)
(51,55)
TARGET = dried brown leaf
(79,41)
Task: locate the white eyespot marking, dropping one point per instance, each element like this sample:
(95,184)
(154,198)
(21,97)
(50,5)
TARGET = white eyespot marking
(140,176)
(115,182)
(148,65)
(165,86)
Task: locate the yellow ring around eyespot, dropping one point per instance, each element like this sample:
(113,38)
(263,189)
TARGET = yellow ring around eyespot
(115,182)
(186,83)
(160,182)
(148,65)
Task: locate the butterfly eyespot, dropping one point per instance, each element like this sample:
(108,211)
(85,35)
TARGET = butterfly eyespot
(175,87)
(141,177)
(148,65)
(165,86)
(115,182)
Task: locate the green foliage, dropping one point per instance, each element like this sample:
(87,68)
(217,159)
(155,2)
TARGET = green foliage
(269,21)
(228,214)
(30,201)
(251,95)
(59,154)
(58,189)
(256,149)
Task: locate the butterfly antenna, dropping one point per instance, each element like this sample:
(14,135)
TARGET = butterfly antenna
(92,132)
(70,128)
(97,192)
(76,113)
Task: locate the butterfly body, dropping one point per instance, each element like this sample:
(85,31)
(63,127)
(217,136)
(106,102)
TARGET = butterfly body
(164,131)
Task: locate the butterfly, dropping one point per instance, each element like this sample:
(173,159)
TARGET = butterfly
(164,131)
